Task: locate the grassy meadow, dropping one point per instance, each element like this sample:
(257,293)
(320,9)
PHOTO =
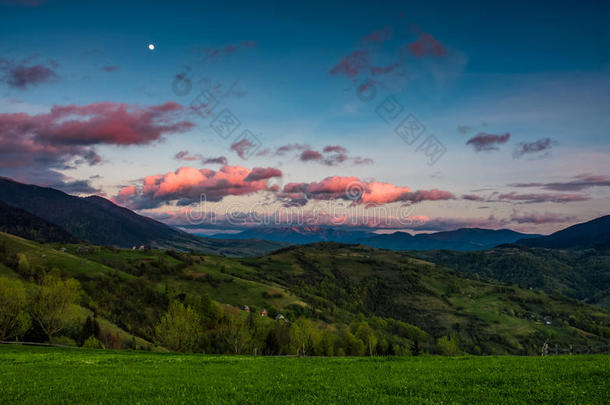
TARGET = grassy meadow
(54,375)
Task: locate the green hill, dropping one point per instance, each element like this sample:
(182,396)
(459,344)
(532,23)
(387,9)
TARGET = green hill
(580,274)
(334,285)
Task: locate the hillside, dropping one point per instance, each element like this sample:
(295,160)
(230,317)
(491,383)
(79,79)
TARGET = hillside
(591,234)
(580,274)
(101,222)
(465,239)
(332,284)
(489,316)
(21,223)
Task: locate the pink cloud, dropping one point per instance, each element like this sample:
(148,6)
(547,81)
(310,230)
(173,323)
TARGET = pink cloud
(359,192)
(188,184)
(352,65)
(34,146)
(334,148)
(241,147)
(427,45)
(309,154)
(185,155)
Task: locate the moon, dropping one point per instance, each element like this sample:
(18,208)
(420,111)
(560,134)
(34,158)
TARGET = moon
(151,47)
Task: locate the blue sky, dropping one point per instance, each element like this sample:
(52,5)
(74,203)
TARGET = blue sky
(537,71)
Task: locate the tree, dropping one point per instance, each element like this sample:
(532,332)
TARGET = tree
(300,335)
(235,333)
(365,333)
(179,329)
(23,266)
(54,303)
(448,346)
(14,320)
(90,328)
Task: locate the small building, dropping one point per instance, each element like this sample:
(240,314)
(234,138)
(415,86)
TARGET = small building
(263,312)
(245,308)
(280,317)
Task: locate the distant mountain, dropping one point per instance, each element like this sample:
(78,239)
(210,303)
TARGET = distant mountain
(101,222)
(465,239)
(19,222)
(594,233)
(300,234)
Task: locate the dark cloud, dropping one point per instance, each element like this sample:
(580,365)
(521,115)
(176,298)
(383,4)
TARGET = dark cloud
(533,198)
(110,68)
(217,52)
(579,182)
(540,218)
(76,187)
(22,76)
(185,155)
(487,142)
(472,197)
(524,148)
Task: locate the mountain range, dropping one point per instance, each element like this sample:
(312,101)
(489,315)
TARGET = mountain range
(48,215)
(591,234)
(101,222)
(465,239)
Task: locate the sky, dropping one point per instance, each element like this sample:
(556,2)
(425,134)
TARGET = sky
(416,116)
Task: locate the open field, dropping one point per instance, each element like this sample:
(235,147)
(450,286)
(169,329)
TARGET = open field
(53,375)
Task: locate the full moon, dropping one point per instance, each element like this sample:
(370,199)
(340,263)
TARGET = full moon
(151,47)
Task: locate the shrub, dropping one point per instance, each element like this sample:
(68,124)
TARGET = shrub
(448,346)
(92,343)
(14,321)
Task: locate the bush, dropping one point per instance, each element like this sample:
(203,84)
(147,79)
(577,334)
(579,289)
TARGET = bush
(92,343)
(14,321)
(448,346)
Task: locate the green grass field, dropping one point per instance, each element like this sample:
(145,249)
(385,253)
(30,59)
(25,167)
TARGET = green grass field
(53,375)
